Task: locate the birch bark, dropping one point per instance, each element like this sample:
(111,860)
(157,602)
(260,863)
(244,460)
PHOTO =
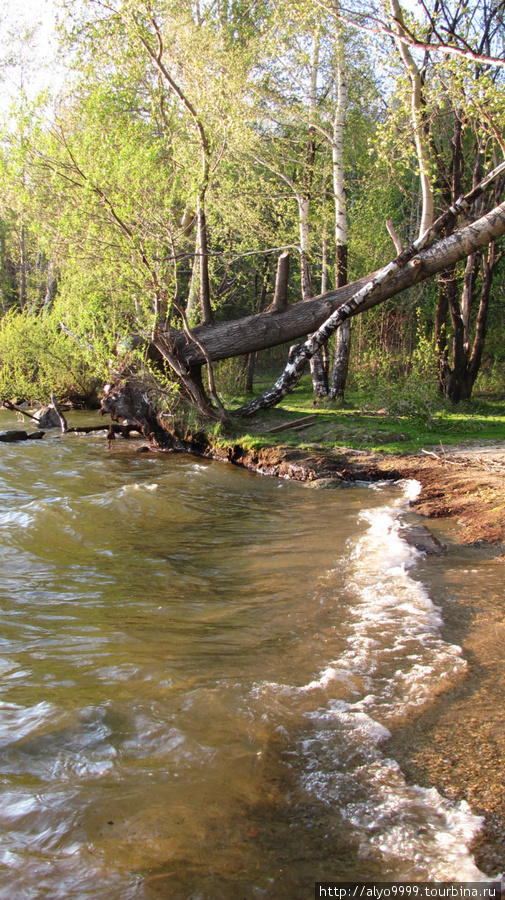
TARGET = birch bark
(418,124)
(317,366)
(456,247)
(343,342)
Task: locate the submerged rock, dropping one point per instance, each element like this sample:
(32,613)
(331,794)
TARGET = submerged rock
(325,484)
(422,539)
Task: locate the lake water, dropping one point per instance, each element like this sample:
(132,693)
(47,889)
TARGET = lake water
(198,668)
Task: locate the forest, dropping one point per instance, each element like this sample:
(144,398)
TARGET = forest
(219,185)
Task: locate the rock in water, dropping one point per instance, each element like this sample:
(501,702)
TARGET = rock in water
(47,417)
(422,539)
(10,437)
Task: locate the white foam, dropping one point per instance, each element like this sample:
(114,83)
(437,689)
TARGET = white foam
(395,651)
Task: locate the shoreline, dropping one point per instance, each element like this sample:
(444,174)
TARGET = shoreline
(457,745)
(467,485)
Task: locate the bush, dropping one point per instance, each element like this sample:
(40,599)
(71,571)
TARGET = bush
(36,359)
(404,387)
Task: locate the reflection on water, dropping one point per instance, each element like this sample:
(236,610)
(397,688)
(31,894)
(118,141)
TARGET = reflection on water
(197,669)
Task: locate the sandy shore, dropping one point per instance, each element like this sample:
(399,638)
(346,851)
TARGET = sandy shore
(458,744)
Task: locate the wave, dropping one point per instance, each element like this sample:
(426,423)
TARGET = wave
(393,664)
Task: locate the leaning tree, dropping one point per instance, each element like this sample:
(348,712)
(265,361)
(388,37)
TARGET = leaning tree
(152,172)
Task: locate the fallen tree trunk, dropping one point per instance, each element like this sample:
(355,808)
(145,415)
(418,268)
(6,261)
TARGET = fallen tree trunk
(269,329)
(186,351)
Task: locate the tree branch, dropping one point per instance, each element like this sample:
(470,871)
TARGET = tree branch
(440,47)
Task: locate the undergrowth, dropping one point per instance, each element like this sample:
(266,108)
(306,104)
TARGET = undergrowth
(391,416)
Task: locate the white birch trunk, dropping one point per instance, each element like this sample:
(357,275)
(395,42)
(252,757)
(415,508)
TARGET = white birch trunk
(338,154)
(324,265)
(194,285)
(416,101)
(343,340)
(317,364)
(461,244)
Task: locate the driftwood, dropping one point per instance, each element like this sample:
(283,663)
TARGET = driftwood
(128,400)
(86,429)
(11,437)
(491,465)
(124,430)
(8,405)
(294,424)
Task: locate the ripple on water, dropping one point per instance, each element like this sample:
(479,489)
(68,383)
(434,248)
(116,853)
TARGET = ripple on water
(199,669)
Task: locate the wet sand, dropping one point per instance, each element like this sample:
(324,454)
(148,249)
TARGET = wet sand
(458,744)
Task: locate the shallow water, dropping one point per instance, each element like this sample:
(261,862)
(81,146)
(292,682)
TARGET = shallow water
(198,667)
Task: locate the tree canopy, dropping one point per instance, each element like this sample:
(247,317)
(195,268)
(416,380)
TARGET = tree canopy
(194,143)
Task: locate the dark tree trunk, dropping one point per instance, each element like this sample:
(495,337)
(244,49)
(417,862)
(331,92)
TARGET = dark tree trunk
(453,386)
(343,342)
(249,372)
(451,189)
(457,381)
(280,301)
(441,331)
(51,286)
(475,360)
(207,317)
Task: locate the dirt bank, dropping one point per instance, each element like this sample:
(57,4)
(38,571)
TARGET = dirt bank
(467,484)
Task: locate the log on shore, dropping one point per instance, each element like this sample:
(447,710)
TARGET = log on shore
(294,424)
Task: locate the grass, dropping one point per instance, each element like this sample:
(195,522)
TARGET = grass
(364,423)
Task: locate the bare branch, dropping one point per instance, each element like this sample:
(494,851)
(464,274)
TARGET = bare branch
(440,46)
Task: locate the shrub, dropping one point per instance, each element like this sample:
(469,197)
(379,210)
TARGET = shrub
(36,359)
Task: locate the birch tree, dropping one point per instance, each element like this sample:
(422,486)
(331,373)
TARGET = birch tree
(420,131)
(343,342)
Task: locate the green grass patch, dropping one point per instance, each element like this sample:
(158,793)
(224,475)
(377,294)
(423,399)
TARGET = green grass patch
(362,423)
